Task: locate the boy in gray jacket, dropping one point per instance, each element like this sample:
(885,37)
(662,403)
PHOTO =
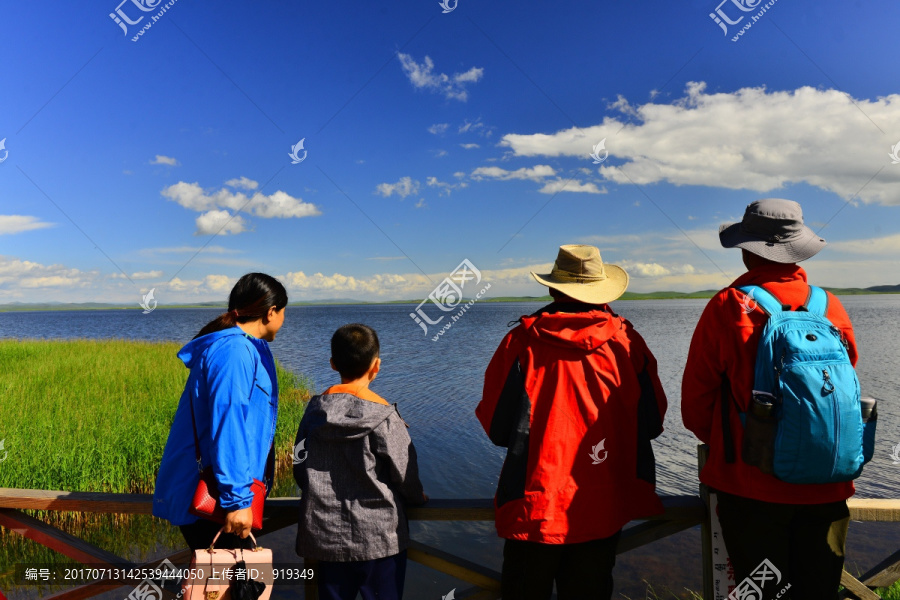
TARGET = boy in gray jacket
(356,467)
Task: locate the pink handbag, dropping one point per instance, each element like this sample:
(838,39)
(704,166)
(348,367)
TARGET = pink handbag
(212,571)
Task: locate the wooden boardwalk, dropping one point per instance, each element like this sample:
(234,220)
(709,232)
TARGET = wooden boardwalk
(681,512)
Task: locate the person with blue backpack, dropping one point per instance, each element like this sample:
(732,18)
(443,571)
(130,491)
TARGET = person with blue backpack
(770,386)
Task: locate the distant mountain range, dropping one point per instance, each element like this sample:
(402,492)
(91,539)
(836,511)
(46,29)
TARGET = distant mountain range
(23,306)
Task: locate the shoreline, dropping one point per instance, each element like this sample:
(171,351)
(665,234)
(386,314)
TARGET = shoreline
(627,297)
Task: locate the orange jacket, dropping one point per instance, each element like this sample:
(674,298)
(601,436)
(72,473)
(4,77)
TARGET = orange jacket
(723,352)
(576,399)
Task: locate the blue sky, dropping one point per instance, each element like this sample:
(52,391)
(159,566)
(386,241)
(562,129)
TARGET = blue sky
(431,138)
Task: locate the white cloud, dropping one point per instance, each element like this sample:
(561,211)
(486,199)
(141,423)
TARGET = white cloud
(164,160)
(12,224)
(190,250)
(438,128)
(281,205)
(137,275)
(571,185)
(535,173)
(888,245)
(243,183)
(422,76)
(278,205)
(211,285)
(420,203)
(653,269)
(470,146)
(471,125)
(749,139)
(219,222)
(406,186)
(17,274)
(378,285)
(146,274)
(444,187)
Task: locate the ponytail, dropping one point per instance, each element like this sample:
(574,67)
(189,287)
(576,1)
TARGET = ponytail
(250,300)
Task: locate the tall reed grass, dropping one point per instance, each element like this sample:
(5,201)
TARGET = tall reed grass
(94,416)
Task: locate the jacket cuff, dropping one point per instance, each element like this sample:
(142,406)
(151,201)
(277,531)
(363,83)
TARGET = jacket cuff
(233,501)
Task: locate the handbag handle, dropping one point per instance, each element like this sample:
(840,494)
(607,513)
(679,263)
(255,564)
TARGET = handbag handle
(215,539)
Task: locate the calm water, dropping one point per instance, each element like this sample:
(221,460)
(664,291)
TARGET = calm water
(438,384)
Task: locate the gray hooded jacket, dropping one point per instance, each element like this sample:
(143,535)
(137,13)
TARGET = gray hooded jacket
(357,467)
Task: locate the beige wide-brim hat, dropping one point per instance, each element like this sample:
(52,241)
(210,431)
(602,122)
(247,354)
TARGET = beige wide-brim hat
(579,273)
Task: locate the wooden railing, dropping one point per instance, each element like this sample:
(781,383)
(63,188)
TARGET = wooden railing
(681,512)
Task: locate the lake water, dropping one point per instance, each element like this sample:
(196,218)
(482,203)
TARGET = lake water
(438,384)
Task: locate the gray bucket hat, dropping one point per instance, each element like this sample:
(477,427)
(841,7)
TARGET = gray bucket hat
(773,229)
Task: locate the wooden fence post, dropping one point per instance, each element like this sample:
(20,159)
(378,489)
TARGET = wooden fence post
(705,528)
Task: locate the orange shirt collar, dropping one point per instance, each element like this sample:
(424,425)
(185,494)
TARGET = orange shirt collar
(362,393)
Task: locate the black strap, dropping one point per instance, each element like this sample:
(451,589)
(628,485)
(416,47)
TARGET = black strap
(727,440)
(196,439)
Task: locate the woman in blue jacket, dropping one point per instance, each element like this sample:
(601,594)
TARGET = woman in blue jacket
(234,392)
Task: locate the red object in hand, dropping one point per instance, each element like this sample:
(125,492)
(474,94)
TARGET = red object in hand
(205,503)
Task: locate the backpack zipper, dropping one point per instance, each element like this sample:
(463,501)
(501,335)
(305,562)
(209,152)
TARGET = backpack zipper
(778,371)
(828,388)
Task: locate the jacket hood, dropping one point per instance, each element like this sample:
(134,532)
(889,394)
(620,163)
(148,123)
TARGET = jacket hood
(342,416)
(192,351)
(586,330)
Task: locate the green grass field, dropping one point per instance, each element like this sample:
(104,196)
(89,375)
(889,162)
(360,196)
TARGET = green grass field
(94,416)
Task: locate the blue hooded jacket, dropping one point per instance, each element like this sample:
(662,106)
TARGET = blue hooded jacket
(235,397)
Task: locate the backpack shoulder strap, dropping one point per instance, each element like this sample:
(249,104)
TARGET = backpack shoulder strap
(817,302)
(763,298)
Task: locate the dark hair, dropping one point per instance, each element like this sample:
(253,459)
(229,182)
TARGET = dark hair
(250,299)
(353,348)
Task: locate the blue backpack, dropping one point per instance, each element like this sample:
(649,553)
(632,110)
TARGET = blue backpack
(802,360)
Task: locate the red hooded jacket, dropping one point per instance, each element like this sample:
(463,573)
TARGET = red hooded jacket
(575,398)
(723,355)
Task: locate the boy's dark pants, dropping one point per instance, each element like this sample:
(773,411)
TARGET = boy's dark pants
(805,542)
(380,578)
(581,571)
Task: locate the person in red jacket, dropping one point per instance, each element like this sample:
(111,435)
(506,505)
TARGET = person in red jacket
(800,529)
(573,394)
